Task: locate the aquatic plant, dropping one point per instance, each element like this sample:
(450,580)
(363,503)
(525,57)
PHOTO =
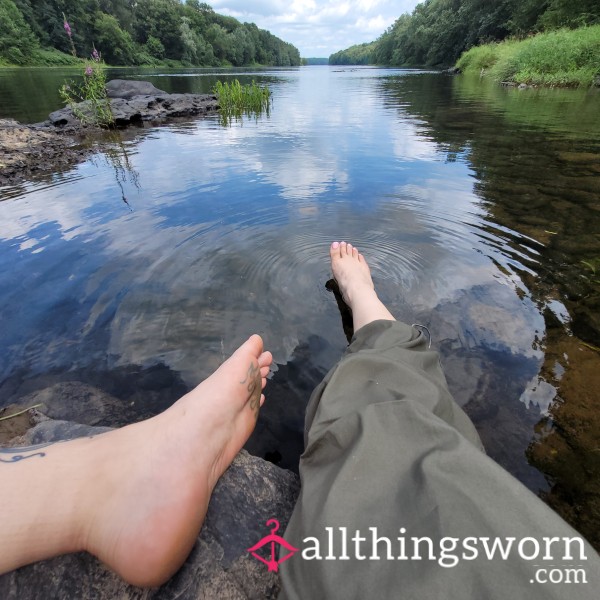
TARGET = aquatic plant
(236,100)
(88,100)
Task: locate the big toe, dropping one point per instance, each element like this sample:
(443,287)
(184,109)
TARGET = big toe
(334,250)
(253,345)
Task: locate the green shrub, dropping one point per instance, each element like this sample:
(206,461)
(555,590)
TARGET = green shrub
(564,57)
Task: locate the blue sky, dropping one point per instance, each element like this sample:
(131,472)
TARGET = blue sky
(318,27)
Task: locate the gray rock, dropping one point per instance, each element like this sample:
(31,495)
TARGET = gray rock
(249,493)
(137,109)
(523,86)
(82,403)
(127,88)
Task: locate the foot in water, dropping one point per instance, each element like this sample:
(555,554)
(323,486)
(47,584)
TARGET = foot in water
(353,276)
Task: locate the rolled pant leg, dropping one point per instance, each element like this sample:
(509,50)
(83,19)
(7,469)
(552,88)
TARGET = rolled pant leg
(387,448)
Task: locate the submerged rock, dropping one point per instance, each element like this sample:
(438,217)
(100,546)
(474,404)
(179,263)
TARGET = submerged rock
(249,493)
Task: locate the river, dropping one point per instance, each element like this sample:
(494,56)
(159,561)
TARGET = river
(477,206)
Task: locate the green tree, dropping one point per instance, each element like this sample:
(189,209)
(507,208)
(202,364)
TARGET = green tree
(155,48)
(160,19)
(17,41)
(115,45)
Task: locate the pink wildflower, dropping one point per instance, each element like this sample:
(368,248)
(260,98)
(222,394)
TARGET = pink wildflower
(89,70)
(67,28)
(95,55)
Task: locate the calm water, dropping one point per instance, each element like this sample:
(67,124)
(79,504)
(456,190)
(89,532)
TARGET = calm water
(477,207)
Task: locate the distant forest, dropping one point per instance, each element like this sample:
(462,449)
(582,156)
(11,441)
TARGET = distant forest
(439,31)
(136,32)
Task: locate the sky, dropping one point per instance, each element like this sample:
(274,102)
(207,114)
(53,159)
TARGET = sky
(318,28)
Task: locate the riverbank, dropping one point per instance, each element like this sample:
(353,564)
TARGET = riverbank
(50,57)
(566,58)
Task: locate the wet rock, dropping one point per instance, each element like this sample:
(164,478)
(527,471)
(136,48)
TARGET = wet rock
(137,109)
(127,88)
(82,403)
(249,493)
(29,149)
(523,86)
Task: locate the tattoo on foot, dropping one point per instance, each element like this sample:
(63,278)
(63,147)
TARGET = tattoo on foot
(253,381)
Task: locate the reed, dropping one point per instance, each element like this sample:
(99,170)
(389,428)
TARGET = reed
(236,100)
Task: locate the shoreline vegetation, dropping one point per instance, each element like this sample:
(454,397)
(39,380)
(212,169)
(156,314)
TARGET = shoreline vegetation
(149,33)
(566,58)
(534,42)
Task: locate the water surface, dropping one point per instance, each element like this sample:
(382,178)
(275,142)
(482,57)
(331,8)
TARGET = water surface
(477,207)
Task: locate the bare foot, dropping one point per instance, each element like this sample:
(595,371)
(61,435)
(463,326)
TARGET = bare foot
(153,480)
(352,273)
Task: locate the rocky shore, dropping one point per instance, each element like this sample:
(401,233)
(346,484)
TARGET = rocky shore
(62,141)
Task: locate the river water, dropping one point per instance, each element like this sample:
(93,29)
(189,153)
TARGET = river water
(477,207)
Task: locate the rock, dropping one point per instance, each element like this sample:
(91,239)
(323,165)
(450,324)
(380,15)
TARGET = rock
(27,149)
(137,109)
(249,493)
(127,88)
(453,71)
(523,86)
(56,143)
(82,403)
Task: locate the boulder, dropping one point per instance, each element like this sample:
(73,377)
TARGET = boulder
(127,88)
(249,493)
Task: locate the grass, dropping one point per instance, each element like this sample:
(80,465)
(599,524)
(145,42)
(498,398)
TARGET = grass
(45,57)
(566,57)
(236,99)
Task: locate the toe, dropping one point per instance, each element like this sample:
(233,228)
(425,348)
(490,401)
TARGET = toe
(334,250)
(254,345)
(343,249)
(354,252)
(265,359)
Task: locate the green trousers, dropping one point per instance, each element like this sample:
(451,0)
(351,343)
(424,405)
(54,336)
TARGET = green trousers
(399,500)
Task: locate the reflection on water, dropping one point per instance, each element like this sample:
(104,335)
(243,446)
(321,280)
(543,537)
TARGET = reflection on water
(476,206)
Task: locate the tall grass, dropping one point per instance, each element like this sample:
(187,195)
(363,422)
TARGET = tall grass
(236,100)
(558,58)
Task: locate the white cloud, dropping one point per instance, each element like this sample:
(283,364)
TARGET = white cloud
(319,27)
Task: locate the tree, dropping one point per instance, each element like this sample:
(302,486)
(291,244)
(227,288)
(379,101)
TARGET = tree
(115,45)
(17,41)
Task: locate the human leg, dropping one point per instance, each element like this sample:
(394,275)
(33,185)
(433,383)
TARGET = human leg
(390,455)
(352,273)
(135,497)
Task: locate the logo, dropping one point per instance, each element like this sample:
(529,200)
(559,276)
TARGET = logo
(273,540)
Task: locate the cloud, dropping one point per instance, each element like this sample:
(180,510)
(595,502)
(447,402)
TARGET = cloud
(319,27)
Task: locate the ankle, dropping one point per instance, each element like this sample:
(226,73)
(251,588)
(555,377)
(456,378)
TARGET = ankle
(359,292)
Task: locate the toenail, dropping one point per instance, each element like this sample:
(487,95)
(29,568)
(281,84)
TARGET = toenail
(335,245)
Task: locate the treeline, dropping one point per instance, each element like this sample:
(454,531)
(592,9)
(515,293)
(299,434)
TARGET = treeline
(361,54)
(137,32)
(439,31)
